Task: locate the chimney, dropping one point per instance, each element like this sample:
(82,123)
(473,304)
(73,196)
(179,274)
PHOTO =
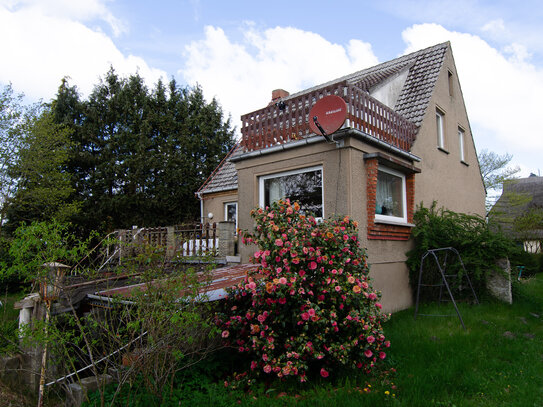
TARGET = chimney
(278,94)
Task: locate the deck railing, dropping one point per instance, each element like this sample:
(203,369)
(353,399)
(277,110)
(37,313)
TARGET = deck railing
(273,125)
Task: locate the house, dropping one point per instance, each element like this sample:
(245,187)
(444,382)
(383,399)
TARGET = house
(405,139)
(519,211)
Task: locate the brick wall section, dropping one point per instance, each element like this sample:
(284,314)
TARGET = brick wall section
(380,231)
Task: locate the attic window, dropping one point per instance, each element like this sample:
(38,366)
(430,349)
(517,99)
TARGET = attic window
(450,79)
(440,129)
(462,144)
(303,185)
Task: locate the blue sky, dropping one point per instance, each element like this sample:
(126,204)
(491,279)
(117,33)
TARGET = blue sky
(239,51)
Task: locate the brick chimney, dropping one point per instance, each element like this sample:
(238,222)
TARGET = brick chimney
(278,94)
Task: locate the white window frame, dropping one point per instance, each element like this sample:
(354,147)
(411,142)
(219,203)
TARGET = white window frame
(388,218)
(462,143)
(440,128)
(226,204)
(262,178)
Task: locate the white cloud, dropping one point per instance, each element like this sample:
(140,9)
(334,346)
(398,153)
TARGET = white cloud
(502,91)
(44,46)
(80,10)
(242,74)
(495,27)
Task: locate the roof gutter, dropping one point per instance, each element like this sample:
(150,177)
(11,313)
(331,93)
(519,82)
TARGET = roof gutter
(277,148)
(340,134)
(375,141)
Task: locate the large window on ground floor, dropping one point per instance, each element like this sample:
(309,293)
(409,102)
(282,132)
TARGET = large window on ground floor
(390,196)
(303,185)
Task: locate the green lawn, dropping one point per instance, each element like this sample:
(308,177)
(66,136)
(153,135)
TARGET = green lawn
(496,361)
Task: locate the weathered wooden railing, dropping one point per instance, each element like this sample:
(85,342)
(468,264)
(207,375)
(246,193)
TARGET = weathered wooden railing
(187,240)
(272,126)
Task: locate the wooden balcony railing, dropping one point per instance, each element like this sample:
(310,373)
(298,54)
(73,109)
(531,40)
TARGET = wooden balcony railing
(272,126)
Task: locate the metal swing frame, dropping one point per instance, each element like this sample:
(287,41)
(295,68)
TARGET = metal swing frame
(442,267)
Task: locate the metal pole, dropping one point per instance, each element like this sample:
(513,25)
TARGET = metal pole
(44,354)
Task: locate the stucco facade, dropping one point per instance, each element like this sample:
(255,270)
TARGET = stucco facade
(431,166)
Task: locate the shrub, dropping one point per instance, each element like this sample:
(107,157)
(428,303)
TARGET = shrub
(309,308)
(478,246)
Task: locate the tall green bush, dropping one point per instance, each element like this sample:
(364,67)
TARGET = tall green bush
(309,309)
(478,246)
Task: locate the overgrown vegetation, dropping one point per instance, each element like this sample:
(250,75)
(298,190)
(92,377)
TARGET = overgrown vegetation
(432,361)
(143,339)
(479,247)
(309,309)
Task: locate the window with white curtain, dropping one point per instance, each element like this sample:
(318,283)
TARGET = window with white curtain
(303,186)
(390,196)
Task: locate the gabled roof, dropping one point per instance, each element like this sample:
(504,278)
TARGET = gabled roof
(422,67)
(224,177)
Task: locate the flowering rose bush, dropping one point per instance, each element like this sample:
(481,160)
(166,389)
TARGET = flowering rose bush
(309,309)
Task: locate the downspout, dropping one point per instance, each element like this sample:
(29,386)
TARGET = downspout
(199,195)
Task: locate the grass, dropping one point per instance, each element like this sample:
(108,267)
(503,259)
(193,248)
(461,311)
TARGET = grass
(496,361)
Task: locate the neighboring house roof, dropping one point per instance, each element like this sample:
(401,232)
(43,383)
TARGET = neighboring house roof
(420,70)
(518,197)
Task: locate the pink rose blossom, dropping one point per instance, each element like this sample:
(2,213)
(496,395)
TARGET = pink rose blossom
(267,369)
(338,288)
(253,365)
(311,312)
(305,316)
(225,334)
(282,280)
(324,373)
(382,355)
(278,242)
(370,339)
(312,265)
(368,353)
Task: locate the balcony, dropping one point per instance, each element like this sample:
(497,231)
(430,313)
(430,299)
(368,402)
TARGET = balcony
(271,126)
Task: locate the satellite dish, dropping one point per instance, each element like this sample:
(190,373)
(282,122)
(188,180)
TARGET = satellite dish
(328,114)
